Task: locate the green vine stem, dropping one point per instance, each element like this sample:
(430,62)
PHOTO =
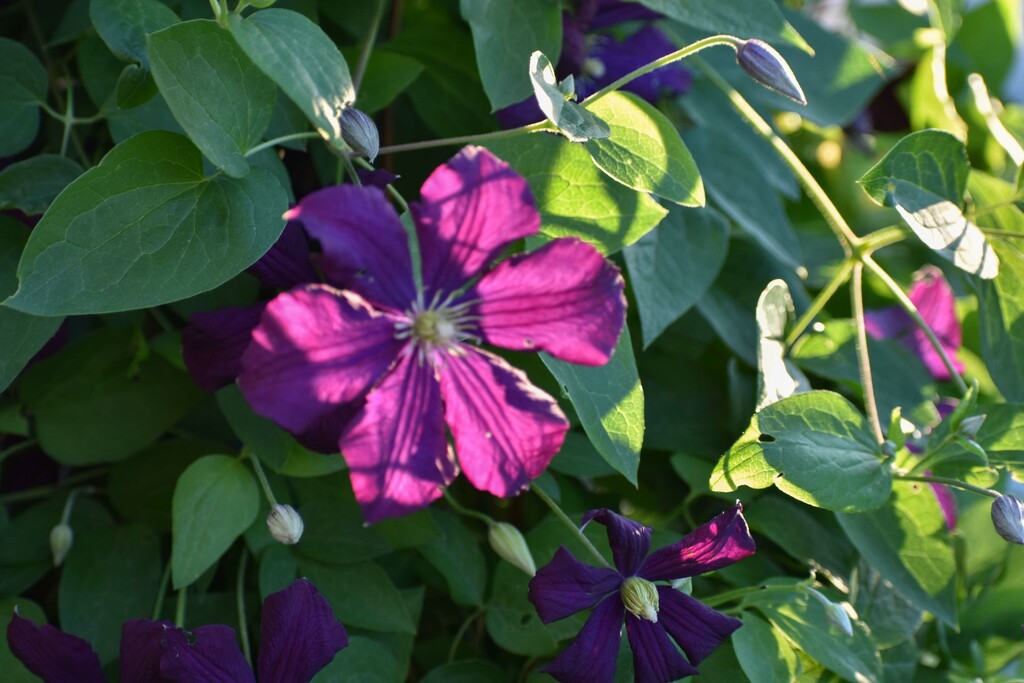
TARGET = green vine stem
(364,52)
(820,301)
(257,467)
(477,613)
(572,525)
(466,512)
(308,135)
(867,382)
(948,481)
(243,629)
(469,139)
(158,604)
(739,593)
(179,610)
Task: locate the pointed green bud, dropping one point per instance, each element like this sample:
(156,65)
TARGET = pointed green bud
(766,66)
(61,538)
(509,544)
(360,132)
(1008,518)
(838,616)
(640,597)
(285,524)
(970,425)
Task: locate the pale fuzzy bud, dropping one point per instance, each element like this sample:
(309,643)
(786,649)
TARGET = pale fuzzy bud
(360,132)
(970,425)
(839,617)
(1008,518)
(509,544)
(766,66)
(61,538)
(640,597)
(285,524)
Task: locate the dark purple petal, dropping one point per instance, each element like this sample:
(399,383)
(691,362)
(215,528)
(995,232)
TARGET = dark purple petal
(574,46)
(643,47)
(591,657)
(716,544)
(51,654)
(565,298)
(520,114)
(697,628)
(611,12)
(629,540)
(214,341)
(209,654)
(322,434)
(471,208)
(947,503)
(314,350)
(142,644)
(298,635)
(378,177)
(564,586)
(396,450)
(890,322)
(505,429)
(287,264)
(365,248)
(934,300)
(655,658)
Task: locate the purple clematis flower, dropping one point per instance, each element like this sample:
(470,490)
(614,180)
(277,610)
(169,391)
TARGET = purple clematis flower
(378,365)
(596,59)
(652,613)
(298,636)
(932,296)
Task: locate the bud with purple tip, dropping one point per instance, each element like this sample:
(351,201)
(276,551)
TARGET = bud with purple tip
(360,132)
(1008,518)
(767,67)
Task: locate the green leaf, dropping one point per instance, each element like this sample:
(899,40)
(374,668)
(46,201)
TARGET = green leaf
(579,458)
(135,87)
(361,595)
(32,184)
(124,24)
(22,88)
(1000,311)
(388,75)
(101,400)
(764,654)
(900,377)
(110,576)
(1002,436)
(749,19)
(907,542)
(610,403)
(890,616)
(466,671)
(644,150)
(144,228)
(21,334)
(218,96)
(215,500)
(815,447)
(576,199)
(278,569)
(777,376)
(671,267)
(335,533)
(575,122)
(505,34)
(14,670)
(365,660)
(456,554)
(304,62)
(802,620)
(924,177)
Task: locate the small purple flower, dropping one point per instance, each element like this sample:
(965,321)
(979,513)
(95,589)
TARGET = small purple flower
(377,365)
(934,299)
(596,59)
(652,613)
(298,636)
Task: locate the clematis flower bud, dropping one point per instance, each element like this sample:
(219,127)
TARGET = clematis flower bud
(766,66)
(360,132)
(1008,518)
(640,597)
(970,425)
(61,538)
(837,616)
(509,544)
(285,524)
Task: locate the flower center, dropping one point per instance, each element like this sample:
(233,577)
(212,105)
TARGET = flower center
(434,327)
(640,597)
(439,325)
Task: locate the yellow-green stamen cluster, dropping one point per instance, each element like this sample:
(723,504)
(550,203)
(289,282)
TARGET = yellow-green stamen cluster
(640,597)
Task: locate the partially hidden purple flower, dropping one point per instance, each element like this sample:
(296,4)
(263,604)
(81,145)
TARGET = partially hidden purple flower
(379,364)
(298,637)
(596,59)
(934,299)
(654,615)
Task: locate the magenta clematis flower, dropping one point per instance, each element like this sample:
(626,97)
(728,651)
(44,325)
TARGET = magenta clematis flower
(652,613)
(596,59)
(379,364)
(934,299)
(298,636)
